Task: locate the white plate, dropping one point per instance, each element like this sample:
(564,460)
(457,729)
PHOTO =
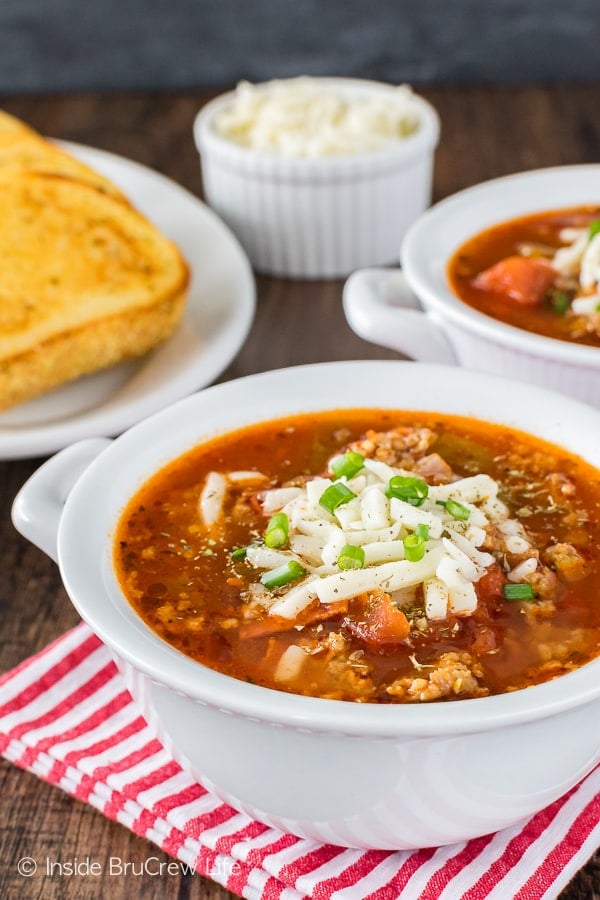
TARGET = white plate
(217,319)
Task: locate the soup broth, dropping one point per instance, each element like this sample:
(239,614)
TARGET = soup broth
(464,563)
(537,272)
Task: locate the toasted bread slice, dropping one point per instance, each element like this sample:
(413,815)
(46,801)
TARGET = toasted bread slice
(13,129)
(22,148)
(85,281)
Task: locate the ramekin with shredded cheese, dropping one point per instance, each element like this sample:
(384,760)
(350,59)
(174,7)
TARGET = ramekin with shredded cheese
(318,176)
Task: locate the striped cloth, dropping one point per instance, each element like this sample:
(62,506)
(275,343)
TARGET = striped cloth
(66,716)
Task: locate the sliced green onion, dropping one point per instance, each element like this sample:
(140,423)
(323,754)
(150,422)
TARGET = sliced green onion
(559,302)
(277,531)
(414,547)
(518,592)
(239,553)
(282,575)
(423,531)
(594,228)
(335,495)
(347,465)
(455,509)
(404,487)
(351,557)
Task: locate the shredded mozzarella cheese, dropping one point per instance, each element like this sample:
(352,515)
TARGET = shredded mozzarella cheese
(452,561)
(212,498)
(589,277)
(579,259)
(290,662)
(302,117)
(436,598)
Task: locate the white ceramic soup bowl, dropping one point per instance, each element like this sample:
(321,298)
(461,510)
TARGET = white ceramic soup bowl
(347,773)
(416,312)
(319,217)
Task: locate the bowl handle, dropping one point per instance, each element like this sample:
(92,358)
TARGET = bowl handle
(381,308)
(38,506)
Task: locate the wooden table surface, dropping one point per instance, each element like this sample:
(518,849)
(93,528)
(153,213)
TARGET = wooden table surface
(485,133)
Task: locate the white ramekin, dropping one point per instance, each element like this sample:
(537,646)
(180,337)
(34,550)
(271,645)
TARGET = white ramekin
(354,774)
(416,312)
(319,218)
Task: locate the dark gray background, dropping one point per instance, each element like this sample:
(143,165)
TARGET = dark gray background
(55,45)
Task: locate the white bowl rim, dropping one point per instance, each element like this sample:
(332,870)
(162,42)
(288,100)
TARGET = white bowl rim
(426,137)
(445,302)
(166,666)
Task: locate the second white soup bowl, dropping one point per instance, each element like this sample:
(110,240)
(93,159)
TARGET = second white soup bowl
(416,312)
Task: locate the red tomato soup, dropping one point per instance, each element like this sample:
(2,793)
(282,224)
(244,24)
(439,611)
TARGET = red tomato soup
(371,556)
(540,272)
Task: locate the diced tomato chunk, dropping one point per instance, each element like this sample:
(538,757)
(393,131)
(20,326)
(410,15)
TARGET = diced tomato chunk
(489,587)
(520,278)
(485,640)
(380,622)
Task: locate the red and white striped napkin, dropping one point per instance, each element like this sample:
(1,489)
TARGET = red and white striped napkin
(66,716)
